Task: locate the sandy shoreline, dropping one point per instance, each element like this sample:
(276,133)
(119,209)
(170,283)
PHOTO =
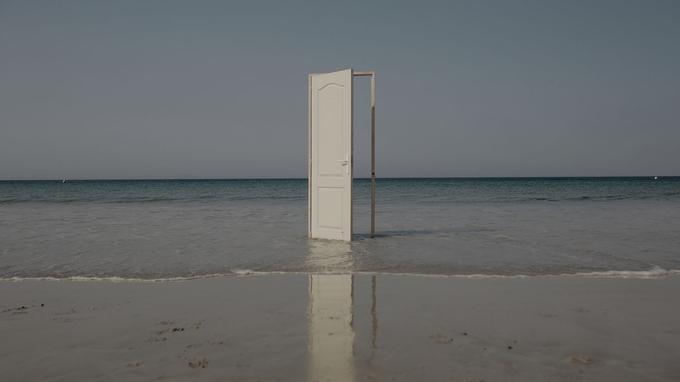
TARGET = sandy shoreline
(342,327)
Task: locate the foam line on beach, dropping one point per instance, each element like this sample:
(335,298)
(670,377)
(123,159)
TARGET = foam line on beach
(119,279)
(653,273)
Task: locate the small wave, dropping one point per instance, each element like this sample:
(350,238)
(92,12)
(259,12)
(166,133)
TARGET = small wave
(145,200)
(525,199)
(89,200)
(113,279)
(39,200)
(654,273)
(605,197)
(267,197)
(119,279)
(139,200)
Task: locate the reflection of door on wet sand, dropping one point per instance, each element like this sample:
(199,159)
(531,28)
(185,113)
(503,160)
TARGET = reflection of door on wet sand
(331,335)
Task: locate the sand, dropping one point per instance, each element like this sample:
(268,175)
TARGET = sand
(299,327)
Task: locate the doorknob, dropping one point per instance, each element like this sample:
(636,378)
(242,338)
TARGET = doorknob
(345,162)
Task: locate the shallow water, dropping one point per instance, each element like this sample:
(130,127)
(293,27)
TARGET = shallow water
(186,228)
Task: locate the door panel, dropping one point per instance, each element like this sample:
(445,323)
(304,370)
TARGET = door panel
(330,141)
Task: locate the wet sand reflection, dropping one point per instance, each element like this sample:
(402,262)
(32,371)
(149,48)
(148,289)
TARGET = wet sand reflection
(331,332)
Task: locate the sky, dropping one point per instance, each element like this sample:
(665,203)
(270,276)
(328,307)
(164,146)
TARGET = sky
(218,89)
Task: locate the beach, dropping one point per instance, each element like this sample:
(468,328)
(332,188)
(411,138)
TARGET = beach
(557,279)
(342,326)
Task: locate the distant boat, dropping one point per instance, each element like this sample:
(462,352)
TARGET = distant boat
(63,180)
(656,178)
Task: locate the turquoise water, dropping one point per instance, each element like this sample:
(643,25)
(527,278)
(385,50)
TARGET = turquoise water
(186,228)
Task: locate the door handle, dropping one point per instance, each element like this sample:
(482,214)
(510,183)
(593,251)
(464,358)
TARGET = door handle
(345,163)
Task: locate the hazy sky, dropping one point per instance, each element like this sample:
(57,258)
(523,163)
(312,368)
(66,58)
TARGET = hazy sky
(218,89)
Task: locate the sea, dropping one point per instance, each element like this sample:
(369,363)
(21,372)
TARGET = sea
(158,230)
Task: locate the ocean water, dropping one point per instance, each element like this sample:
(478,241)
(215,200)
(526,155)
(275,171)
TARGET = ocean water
(165,229)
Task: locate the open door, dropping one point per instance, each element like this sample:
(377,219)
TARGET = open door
(330,155)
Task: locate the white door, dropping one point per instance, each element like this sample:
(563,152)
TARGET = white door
(330,155)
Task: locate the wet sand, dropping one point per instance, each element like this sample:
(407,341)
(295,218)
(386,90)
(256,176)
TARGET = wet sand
(341,327)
